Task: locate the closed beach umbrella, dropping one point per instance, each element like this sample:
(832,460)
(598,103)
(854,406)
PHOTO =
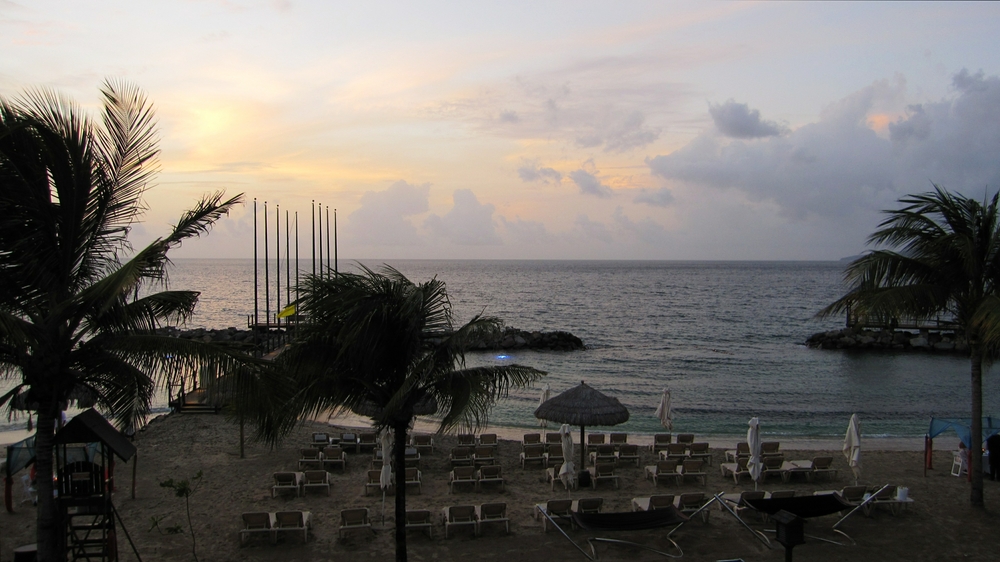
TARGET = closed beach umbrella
(754,465)
(546,392)
(567,472)
(852,446)
(663,411)
(583,406)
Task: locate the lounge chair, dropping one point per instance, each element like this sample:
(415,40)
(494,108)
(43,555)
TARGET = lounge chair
(412,477)
(316,479)
(461,456)
(310,459)
(587,505)
(884,497)
(663,471)
(320,440)
(374,481)
(742,450)
(530,439)
(594,440)
(735,469)
(493,513)
(367,441)
(693,468)
(660,442)
(629,453)
(686,438)
(853,495)
(552,476)
(556,509)
(554,456)
(604,453)
(675,451)
(349,440)
(334,438)
(770,448)
(553,437)
(411,457)
(420,519)
(284,481)
(293,521)
(422,443)
(603,472)
(466,440)
(484,455)
(462,475)
(661,501)
(773,467)
(791,468)
(959,463)
(257,522)
(823,466)
(490,474)
(779,494)
(488,440)
(534,452)
(692,503)
(740,504)
(334,457)
(351,519)
(460,515)
(618,439)
(700,451)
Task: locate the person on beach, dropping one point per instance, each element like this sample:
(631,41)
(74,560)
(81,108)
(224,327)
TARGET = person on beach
(993,448)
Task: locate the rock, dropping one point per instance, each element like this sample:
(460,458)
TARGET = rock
(919,342)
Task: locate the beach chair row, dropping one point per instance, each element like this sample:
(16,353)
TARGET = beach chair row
(776,466)
(465,455)
(767,449)
(674,471)
(270,524)
(661,440)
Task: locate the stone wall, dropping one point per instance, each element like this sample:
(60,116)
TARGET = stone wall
(857,338)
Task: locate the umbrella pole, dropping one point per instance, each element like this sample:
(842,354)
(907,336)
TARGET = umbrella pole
(583,451)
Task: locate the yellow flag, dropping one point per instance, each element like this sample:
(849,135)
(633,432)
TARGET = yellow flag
(288,311)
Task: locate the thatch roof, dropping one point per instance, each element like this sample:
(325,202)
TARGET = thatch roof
(583,405)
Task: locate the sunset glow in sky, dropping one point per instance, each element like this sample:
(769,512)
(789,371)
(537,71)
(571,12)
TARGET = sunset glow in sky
(555,130)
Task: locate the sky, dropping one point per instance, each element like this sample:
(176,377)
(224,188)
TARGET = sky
(538,130)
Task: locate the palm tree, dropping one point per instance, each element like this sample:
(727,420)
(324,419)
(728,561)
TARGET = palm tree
(74,312)
(380,344)
(939,253)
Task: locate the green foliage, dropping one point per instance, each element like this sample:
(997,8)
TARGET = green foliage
(383,346)
(939,253)
(79,306)
(182,489)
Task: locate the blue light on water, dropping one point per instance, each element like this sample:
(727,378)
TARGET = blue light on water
(502,357)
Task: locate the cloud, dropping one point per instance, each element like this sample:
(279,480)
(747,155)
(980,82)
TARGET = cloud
(525,232)
(596,230)
(618,133)
(531,171)
(646,231)
(508,116)
(381,220)
(737,120)
(661,197)
(839,166)
(589,184)
(468,223)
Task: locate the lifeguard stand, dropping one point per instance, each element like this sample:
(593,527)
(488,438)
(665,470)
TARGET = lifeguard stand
(85,487)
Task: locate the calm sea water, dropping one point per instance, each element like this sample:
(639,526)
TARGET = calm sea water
(725,337)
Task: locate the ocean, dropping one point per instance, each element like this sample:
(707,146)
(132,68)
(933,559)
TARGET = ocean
(725,337)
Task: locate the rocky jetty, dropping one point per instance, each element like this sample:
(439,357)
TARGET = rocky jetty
(514,339)
(857,338)
(509,339)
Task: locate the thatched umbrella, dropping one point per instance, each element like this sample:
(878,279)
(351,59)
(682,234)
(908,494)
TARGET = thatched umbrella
(583,406)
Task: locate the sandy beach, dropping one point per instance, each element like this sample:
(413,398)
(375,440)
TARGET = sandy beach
(938,525)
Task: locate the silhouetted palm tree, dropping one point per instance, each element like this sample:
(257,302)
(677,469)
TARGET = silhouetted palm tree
(380,344)
(940,253)
(75,311)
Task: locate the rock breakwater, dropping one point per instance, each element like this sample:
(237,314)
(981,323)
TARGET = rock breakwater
(508,339)
(923,340)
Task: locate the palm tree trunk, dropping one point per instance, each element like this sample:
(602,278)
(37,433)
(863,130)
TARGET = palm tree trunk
(46,521)
(976,427)
(399,447)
